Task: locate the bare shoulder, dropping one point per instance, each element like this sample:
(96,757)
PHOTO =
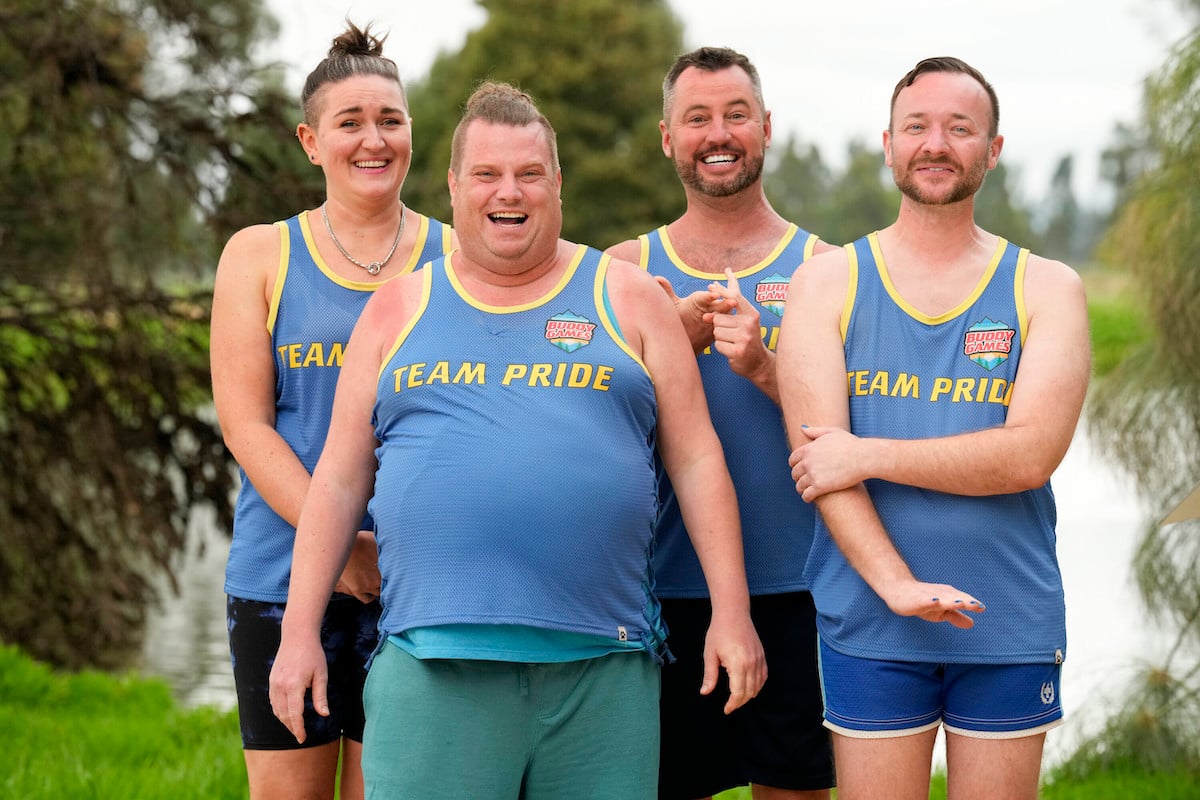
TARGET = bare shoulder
(639,303)
(252,248)
(629,250)
(823,246)
(626,279)
(825,270)
(388,313)
(1052,282)
(394,303)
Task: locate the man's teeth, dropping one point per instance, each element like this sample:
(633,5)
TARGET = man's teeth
(507,216)
(721,159)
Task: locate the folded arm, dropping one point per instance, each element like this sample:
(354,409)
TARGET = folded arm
(812,382)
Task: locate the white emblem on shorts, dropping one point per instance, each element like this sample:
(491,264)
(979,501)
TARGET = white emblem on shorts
(622,634)
(1047,693)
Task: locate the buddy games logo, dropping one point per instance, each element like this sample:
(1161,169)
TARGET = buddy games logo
(771,293)
(569,331)
(988,343)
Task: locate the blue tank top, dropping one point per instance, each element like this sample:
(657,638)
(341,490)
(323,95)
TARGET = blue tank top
(312,312)
(912,376)
(516,478)
(777,526)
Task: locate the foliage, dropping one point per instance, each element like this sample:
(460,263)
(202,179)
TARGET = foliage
(999,210)
(1146,413)
(134,136)
(1153,732)
(839,207)
(842,206)
(1063,218)
(1116,321)
(117,121)
(107,451)
(595,68)
(797,182)
(99,736)
(863,195)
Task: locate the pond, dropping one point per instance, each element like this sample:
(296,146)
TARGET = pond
(1100,518)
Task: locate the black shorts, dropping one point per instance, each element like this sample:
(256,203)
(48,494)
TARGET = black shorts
(348,634)
(777,739)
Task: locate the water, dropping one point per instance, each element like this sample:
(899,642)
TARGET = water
(1100,518)
(186,641)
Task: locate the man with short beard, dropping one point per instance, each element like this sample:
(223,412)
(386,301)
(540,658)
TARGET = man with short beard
(716,130)
(930,388)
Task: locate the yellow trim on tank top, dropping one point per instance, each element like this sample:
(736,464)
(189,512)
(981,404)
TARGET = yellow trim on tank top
(780,246)
(568,273)
(988,274)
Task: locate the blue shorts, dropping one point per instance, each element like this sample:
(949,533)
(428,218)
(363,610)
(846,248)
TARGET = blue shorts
(348,634)
(866,698)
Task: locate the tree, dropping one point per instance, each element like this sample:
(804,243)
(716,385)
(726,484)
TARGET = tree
(595,68)
(120,175)
(862,199)
(1146,413)
(1063,215)
(1122,161)
(797,184)
(998,210)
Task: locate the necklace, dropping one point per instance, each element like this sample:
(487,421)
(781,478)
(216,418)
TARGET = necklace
(375,266)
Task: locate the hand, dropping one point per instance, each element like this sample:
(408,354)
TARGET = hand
(933,602)
(734,645)
(693,311)
(737,334)
(361,575)
(297,668)
(829,462)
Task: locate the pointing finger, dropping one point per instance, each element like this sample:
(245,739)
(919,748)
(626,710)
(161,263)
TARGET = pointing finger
(733,286)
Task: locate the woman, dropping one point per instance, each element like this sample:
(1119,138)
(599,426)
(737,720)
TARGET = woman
(286,298)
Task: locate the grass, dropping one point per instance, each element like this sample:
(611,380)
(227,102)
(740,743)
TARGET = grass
(93,736)
(1126,785)
(1129,784)
(1118,325)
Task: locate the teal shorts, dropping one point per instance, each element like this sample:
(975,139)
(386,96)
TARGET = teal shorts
(496,729)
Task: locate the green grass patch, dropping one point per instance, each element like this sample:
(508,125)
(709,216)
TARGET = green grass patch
(1118,328)
(93,736)
(1126,784)
(1118,324)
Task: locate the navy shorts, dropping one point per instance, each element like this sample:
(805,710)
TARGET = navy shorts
(348,634)
(777,739)
(867,698)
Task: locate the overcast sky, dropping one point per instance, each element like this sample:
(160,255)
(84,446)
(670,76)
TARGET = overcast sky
(1066,70)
